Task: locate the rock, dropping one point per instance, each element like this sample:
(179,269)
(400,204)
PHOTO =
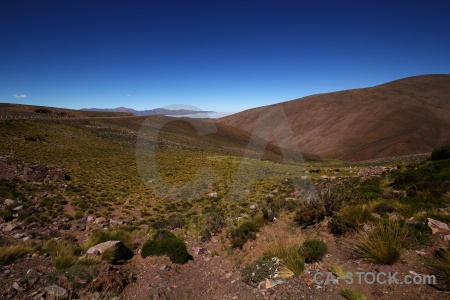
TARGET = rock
(16,286)
(56,292)
(200,251)
(9,202)
(324,176)
(437,226)
(269,283)
(20,207)
(163,268)
(116,222)
(421,253)
(90,219)
(38,296)
(100,220)
(253,206)
(304,177)
(33,225)
(11,227)
(446,238)
(411,220)
(393,218)
(213,195)
(121,252)
(375,215)
(18,235)
(365,227)
(33,280)
(228,275)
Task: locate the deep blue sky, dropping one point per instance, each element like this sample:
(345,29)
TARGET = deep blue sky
(218,55)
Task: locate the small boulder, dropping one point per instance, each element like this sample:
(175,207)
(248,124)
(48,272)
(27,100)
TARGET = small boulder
(437,226)
(393,218)
(200,251)
(9,202)
(11,227)
(375,215)
(56,292)
(18,235)
(121,251)
(100,220)
(116,222)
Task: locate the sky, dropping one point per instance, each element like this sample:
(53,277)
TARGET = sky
(224,56)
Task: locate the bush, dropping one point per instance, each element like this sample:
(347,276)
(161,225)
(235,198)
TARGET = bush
(383,208)
(314,250)
(246,231)
(370,188)
(309,213)
(419,235)
(439,265)
(11,252)
(338,226)
(353,216)
(263,268)
(61,254)
(382,243)
(441,153)
(165,242)
(290,254)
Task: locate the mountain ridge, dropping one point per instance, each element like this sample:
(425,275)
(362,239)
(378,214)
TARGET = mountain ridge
(405,116)
(149,112)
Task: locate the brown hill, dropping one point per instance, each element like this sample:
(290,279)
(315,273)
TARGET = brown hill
(410,115)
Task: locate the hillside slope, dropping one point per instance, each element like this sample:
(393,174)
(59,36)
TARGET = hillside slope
(410,115)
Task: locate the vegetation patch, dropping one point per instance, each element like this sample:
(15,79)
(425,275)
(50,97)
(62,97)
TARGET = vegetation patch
(314,250)
(382,243)
(246,231)
(165,242)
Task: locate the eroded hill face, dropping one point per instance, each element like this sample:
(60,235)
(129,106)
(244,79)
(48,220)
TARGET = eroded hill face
(406,116)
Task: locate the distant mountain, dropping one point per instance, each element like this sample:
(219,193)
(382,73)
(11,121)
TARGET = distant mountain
(406,116)
(156,111)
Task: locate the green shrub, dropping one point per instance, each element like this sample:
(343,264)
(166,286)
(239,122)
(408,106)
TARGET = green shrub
(264,267)
(338,226)
(383,208)
(419,235)
(7,213)
(165,242)
(309,213)
(352,216)
(382,243)
(314,250)
(246,231)
(441,153)
(370,188)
